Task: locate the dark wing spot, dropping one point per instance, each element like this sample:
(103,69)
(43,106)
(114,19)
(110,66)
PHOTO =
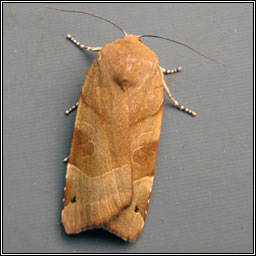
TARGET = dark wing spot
(73,200)
(87,149)
(144,154)
(136,209)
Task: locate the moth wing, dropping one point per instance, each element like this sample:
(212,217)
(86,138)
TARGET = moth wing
(98,177)
(145,126)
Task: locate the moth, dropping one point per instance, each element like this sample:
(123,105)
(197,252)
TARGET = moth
(111,165)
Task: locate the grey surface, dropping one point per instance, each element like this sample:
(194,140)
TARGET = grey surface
(202,199)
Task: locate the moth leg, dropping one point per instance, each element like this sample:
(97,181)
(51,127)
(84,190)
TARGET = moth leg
(82,46)
(176,103)
(68,111)
(65,160)
(171,71)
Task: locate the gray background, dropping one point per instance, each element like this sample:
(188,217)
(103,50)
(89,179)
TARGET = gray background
(202,199)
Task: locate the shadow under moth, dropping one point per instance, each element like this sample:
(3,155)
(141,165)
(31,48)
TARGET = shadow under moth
(110,168)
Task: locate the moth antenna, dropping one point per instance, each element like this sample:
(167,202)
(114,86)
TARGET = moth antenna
(189,47)
(94,15)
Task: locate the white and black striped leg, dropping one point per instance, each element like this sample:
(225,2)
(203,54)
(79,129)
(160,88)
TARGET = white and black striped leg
(171,71)
(68,111)
(82,46)
(65,160)
(176,103)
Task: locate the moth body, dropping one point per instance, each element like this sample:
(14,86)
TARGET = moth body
(114,146)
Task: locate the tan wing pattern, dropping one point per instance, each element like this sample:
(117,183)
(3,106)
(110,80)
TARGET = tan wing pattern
(113,153)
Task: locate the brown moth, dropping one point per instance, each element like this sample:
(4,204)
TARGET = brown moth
(113,152)
(110,171)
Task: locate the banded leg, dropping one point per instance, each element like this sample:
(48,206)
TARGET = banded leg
(68,111)
(82,46)
(171,71)
(176,103)
(65,160)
